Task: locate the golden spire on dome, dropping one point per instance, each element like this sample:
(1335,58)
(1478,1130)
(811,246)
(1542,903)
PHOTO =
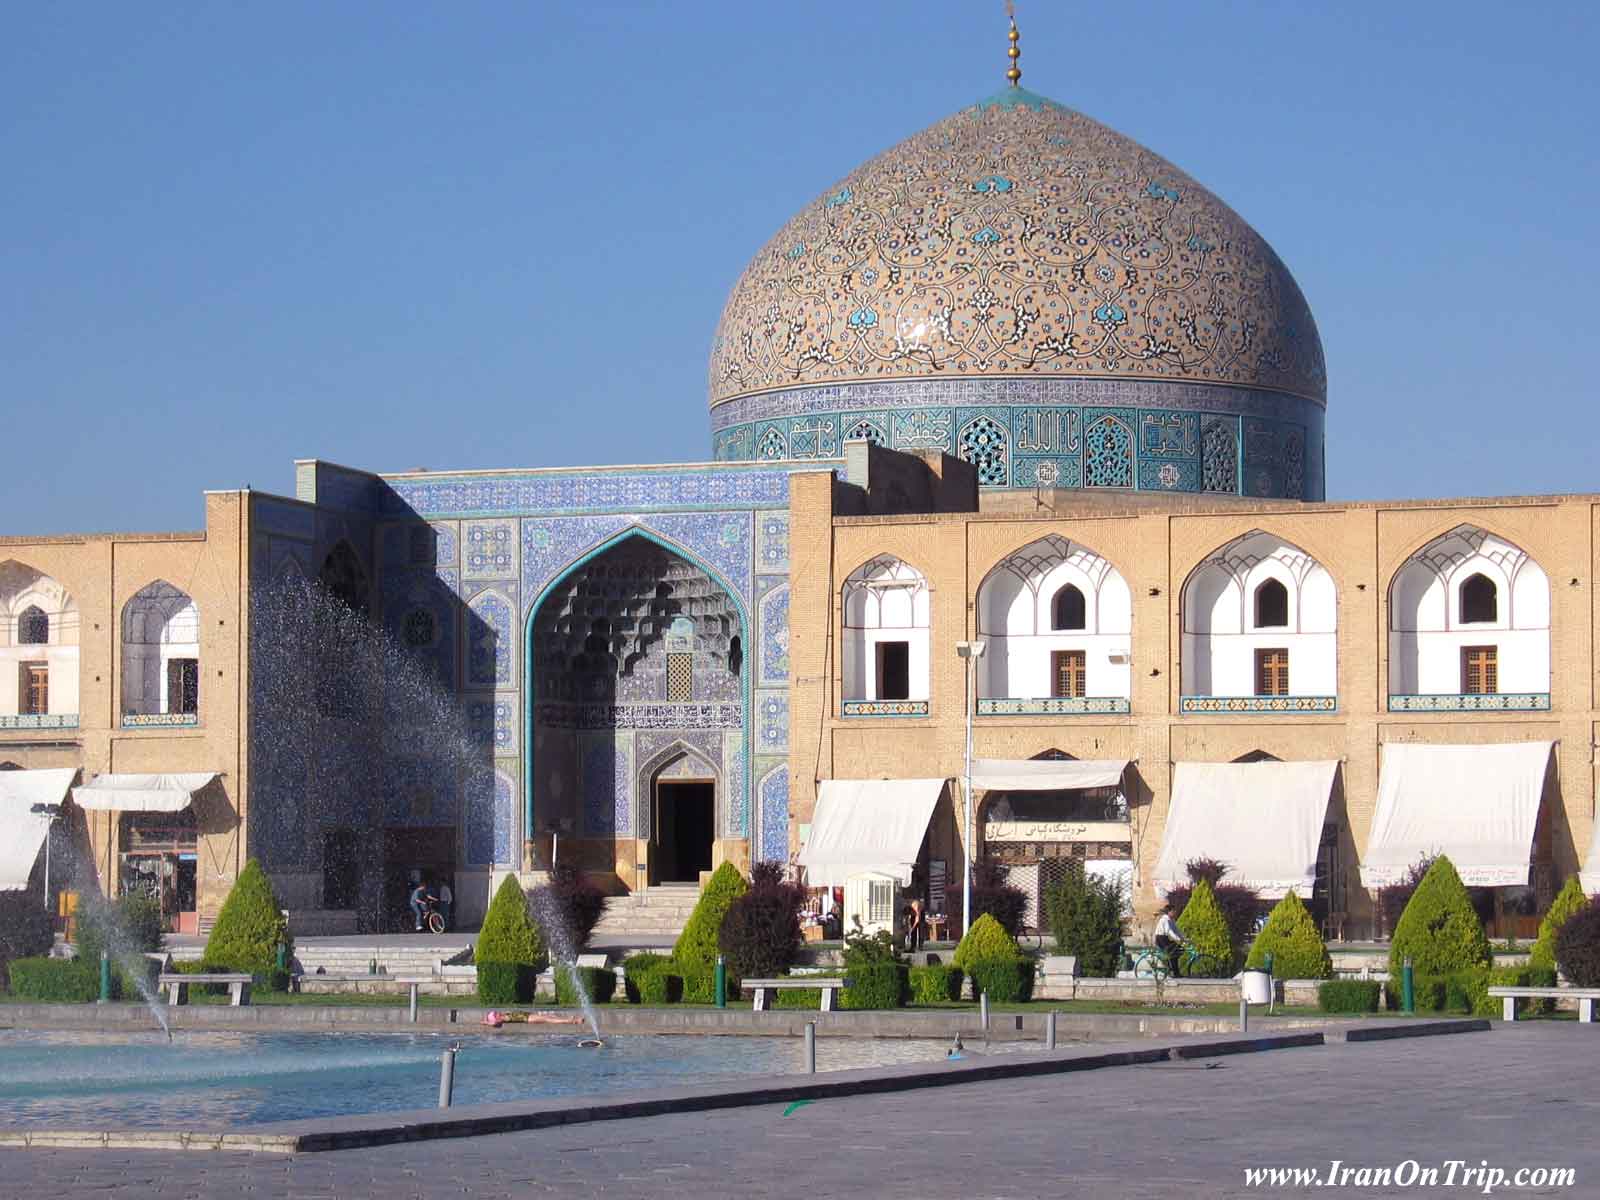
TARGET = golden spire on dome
(1015,73)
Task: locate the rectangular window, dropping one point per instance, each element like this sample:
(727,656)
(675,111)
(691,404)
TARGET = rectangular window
(33,689)
(1067,673)
(1480,671)
(1272,672)
(880,902)
(894,671)
(183,685)
(680,677)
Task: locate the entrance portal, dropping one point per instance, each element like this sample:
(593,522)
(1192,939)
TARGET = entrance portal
(685,824)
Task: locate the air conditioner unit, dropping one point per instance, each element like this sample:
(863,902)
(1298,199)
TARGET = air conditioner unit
(1120,656)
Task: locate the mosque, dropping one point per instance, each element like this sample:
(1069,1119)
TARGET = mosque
(1012,537)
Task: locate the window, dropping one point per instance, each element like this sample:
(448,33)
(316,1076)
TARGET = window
(418,629)
(1480,673)
(1479,600)
(33,688)
(1068,610)
(1272,605)
(680,677)
(33,627)
(880,902)
(183,685)
(1067,673)
(1272,672)
(894,671)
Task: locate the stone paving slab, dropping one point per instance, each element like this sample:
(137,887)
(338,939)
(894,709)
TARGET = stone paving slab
(1513,1097)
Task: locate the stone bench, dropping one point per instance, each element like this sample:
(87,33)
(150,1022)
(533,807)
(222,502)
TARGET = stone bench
(177,986)
(1510,995)
(763,988)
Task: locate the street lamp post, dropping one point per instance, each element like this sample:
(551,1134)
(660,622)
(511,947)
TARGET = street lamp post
(50,812)
(971,652)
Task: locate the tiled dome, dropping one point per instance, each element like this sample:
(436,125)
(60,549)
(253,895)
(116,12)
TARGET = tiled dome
(1014,257)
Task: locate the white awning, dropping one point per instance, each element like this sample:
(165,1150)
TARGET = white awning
(865,825)
(1477,805)
(141,793)
(22,831)
(1264,819)
(1045,775)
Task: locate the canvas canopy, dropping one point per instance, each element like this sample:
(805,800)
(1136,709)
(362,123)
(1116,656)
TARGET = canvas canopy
(863,825)
(1264,819)
(1044,775)
(141,793)
(22,831)
(1478,805)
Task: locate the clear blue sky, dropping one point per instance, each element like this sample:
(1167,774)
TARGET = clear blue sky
(474,235)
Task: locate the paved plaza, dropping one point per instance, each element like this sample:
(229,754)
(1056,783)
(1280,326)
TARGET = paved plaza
(1518,1096)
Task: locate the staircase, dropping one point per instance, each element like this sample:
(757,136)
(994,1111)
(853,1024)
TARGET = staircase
(658,912)
(412,958)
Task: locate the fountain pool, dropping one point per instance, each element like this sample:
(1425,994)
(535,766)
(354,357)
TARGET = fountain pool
(138,1080)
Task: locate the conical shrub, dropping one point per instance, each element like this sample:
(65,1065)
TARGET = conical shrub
(696,948)
(1569,901)
(1439,931)
(509,950)
(1205,929)
(987,939)
(249,926)
(1292,938)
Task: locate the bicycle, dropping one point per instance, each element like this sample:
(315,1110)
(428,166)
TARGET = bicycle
(1192,964)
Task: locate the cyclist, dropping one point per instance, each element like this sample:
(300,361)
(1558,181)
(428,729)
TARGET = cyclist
(1168,940)
(421,898)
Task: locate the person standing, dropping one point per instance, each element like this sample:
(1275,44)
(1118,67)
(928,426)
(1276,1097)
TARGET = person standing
(447,899)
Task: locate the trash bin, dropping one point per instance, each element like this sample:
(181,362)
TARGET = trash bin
(1256,987)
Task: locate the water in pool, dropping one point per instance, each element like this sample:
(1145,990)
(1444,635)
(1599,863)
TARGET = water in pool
(213,1079)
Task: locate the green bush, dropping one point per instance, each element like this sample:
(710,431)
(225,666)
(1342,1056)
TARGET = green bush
(599,982)
(808,998)
(506,982)
(635,967)
(1439,931)
(1292,938)
(131,922)
(696,948)
(1578,946)
(25,927)
(56,980)
(1205,929)
(250,926)
(935,984)
(1568,902)
(661,986)
(1085,916)
(700,986)
(985,940)
(1005,980)
(509,934)
(1348,996)
(876,985)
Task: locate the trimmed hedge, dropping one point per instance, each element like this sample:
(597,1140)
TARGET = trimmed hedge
(876,985)
(1205,928)
(25,927)
(506,983)
(1439,930)
(599,982)
(1349,996)
(1006,980)
(700,986)
(635,967)
(935,984)
(1567,904)
(986,939)
(661,986)
(808,998)
(57,980)
(250,926)
(1578,946)
(1293,940)
(696,948)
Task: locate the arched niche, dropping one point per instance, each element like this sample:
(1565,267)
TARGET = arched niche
(1058,620)
(160,652)
(1260,618)
(38,647)
(1469,615)
(886,616)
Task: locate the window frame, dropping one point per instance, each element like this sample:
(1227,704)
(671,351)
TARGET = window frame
(1058,622)
(881,674)
(1488,662)
(1492,603)
(1256,605)
(1076,662)
(33,688)
(1274,659)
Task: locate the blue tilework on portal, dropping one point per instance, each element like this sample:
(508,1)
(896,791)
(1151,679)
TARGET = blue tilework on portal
(775,815)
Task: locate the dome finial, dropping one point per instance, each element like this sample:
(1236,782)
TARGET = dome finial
(1015,73)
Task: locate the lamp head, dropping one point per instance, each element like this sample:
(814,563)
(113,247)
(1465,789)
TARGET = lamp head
(971,649)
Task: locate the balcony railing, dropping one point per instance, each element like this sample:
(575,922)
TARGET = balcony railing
(159,720)
(1258,704)
(885,708)
(1063,706)
(1491,702)
(40,721)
